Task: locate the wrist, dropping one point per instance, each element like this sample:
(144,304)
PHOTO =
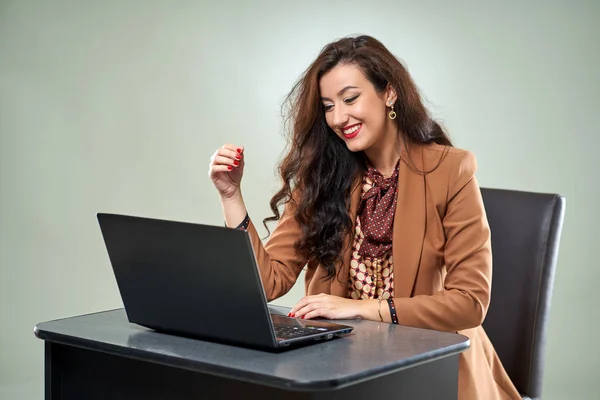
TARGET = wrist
(233,197)
(234,210)
(374,310)
(368,310)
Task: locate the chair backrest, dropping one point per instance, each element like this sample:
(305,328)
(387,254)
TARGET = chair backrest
(526,230)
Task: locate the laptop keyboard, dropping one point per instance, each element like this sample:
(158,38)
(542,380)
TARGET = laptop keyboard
(290,332)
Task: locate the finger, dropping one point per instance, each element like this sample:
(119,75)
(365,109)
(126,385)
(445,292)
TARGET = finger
(301,303)
(232,147)
(302,312)
(296,307)
(228,153)
(220,168)
(221,160)
(315,314)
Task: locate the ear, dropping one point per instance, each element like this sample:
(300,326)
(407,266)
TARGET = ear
(390,95)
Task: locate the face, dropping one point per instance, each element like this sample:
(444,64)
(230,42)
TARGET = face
(354,110)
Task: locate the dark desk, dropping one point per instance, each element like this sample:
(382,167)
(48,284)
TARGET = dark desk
(103,356)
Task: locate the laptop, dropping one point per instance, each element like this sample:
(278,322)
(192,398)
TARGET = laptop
(200,281)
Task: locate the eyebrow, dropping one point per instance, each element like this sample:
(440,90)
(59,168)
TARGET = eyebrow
(341,92)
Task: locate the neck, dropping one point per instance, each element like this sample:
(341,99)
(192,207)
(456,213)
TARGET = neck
(384,154)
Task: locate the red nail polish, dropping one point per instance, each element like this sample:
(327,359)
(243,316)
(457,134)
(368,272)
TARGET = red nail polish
(236,163)
(238,156)
(239,151)
(229,167)
(303,317)
(293,315)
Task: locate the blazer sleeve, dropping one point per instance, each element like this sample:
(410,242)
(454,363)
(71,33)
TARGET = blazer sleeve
(464,301)
(278,261)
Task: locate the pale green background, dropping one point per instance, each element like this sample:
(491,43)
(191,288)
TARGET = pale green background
(116,106)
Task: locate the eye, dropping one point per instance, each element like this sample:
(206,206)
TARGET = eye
(351,99)
(327,107)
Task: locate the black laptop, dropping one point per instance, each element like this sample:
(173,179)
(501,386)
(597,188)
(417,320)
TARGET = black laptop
(199,281)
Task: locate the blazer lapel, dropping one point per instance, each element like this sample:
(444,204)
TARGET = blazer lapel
(409,225)
(409,231)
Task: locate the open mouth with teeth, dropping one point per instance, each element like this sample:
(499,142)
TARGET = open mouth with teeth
(351,131)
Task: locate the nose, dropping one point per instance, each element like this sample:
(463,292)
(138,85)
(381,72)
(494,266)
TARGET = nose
(340,117)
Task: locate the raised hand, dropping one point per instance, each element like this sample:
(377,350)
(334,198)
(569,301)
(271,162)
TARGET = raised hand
(226,169)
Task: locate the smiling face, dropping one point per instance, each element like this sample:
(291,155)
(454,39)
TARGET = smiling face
(355,111)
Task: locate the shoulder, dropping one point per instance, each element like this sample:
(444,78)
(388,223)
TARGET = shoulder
(448,159)
(446,169)
(438,160)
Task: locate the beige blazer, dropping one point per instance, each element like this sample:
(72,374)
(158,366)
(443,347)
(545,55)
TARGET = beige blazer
(442,261)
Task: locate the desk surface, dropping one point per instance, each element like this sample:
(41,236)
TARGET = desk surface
(372,349)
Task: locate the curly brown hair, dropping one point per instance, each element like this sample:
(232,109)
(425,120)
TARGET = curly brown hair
(318,167)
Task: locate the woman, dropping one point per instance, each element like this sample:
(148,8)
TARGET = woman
(385,214)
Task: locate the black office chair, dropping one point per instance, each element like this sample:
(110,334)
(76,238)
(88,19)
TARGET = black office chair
(526,230)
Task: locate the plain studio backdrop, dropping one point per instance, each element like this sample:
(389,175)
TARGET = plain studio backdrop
(117,106)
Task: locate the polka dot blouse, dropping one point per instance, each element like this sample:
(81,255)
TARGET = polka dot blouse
(371,263)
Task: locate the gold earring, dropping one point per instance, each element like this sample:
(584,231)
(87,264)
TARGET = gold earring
(392,113)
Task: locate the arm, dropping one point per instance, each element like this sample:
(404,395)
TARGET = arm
(463,302)
(278,261)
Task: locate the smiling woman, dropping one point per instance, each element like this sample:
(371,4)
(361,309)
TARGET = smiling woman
(356,109)
(384,212)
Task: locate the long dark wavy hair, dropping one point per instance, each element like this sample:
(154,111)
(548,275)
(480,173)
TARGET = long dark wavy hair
(317,167)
